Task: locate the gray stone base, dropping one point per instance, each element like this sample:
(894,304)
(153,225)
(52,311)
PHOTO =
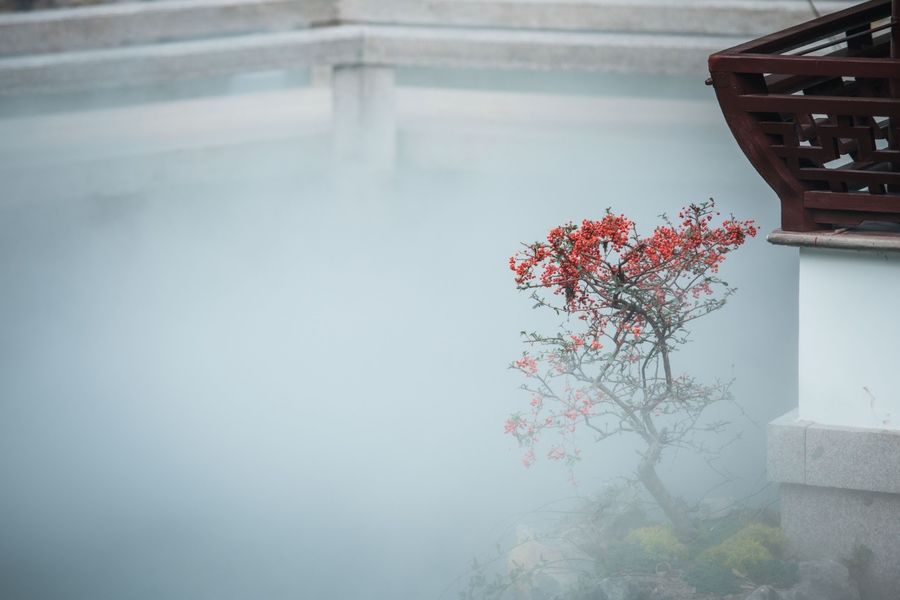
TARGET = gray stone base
(840,498)
(847,525)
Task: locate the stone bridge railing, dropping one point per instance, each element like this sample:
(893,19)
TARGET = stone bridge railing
(143,44)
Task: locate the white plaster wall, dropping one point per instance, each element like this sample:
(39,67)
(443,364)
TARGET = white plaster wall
(850,338)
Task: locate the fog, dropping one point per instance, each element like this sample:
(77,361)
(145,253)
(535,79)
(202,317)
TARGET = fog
(230,369)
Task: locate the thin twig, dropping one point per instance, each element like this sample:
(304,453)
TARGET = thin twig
(815,10)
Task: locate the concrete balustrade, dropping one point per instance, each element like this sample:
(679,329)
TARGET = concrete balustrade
(141,44)
(704,17)
(544,50)
(111,26)
(158,63)
(363,57)
(117,25)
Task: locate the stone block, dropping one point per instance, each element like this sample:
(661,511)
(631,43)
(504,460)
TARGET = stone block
(853,458)
(786,449)
(840,495)
(838,524)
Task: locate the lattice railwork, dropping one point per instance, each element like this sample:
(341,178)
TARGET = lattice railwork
(815,108)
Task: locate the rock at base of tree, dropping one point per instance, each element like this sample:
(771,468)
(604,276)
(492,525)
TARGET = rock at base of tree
(623,588)
(818,580)
(630,587)
(824,580)
(765,592)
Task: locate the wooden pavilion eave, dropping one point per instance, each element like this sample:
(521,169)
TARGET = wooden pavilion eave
(816,110)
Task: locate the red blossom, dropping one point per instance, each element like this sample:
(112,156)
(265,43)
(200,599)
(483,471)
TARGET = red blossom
(631,296)
(588,264)
(528,458)
(556,453)
(527,364)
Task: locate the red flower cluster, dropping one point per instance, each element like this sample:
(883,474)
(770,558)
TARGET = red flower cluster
(584,247)
(634,296)
(527,365)
(590,265)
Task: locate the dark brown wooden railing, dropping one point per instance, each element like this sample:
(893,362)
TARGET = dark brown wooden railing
(816,109)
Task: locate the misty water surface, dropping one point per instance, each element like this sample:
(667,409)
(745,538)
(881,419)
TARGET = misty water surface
(229,370)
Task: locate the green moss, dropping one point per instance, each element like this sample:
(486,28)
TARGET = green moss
(749,547)
(770,537)
(709,576)
(624,558)
(773,572)
(658,543)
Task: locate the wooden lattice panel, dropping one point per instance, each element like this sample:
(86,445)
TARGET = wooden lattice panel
(816,110)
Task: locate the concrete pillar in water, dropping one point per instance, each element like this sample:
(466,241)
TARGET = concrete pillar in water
(363,118)
(320,76)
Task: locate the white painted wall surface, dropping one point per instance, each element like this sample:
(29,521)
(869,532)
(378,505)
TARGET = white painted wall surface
(849,364)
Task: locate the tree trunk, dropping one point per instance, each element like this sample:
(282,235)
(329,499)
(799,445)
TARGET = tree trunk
(674,508)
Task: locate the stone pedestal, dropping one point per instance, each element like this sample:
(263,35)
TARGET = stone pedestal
(364,116)
(837,457)
(840,496)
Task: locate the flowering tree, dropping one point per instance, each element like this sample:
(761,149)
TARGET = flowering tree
(629,300)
